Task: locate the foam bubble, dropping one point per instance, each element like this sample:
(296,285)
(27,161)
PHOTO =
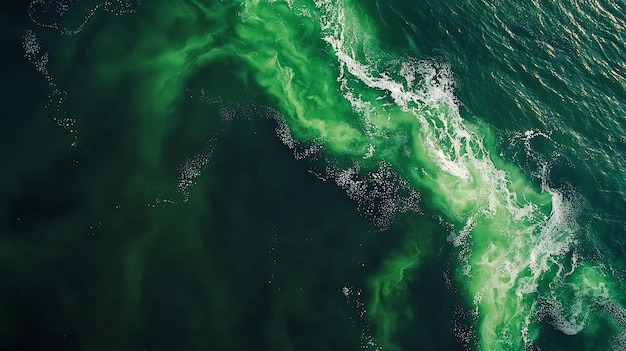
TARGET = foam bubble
(381,195)
(58,14)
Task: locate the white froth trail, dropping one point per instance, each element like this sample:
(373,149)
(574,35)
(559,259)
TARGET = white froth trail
(512,237)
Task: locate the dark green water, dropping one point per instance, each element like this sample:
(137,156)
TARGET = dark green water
(330,175)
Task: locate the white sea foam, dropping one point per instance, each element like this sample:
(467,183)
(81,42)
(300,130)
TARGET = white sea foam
(570,323)
(380,195)
(534,243)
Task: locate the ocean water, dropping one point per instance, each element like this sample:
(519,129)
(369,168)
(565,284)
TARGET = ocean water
(313,175)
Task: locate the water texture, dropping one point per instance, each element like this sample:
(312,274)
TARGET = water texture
(314,175)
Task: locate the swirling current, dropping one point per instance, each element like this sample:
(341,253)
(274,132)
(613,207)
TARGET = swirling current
(314,175)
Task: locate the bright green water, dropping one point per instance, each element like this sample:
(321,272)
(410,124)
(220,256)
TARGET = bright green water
(487,140)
